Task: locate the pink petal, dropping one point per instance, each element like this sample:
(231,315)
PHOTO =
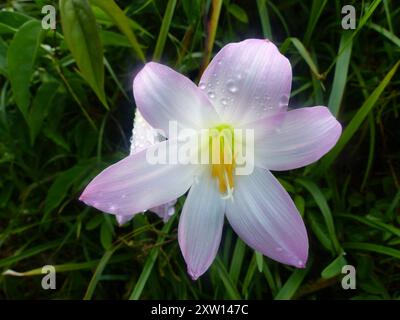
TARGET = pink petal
(200,225)
(133,184)
(163,95)
(265,217)
(299,137)
(248,80)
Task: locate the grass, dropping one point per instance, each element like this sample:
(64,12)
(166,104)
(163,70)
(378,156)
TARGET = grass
(66,112)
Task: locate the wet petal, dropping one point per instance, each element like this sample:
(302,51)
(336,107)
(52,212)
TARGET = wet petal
(265,217)
(248,80)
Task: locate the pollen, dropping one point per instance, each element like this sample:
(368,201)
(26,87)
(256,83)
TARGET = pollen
(222,158)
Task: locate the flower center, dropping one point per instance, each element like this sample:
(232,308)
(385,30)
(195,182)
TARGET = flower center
(222,158)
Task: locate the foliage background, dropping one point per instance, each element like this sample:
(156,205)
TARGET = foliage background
(61,124)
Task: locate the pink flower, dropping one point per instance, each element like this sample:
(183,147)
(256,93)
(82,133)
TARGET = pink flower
(246,86)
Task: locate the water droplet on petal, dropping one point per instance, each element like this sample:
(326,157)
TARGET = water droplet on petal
(112,208)
(202,85)
(171,211)
(279,249)
(211,94)
(224,101)
(232,87)
(300,263)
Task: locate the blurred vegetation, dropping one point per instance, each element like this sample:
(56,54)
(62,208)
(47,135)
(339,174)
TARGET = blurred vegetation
(66,112)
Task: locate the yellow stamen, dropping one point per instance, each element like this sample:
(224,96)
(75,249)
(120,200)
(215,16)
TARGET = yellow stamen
(222,157)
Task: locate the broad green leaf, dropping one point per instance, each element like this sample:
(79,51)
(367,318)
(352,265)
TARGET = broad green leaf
(238,13)
(121,21)
(359,118)
(41,104)
(59,189)
(82,38)
(105,235)
(334,268)
(21,58)
(12,19)
(341,70)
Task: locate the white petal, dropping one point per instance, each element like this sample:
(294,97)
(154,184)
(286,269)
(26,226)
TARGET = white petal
(163,95)
(294,139)
(265,217)
(133,184)
(200,225)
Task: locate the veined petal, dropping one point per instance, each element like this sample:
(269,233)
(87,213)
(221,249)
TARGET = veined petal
(248,80)
(163,95)
(265,217)
(299,137)
(200,225)
(133,184)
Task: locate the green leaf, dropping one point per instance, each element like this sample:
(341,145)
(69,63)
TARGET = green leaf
(163,34)
(264,17)
(21,58)
(59,189)
(260,261)
(97,274)
(291,285)
(150,261)
(82,38)
(41,104)
(105,235)
(319,198)
(341,70)
(121,21)
(237,260)
(373,248)
(231,289)
(334,268)
(238,13)
(358,119)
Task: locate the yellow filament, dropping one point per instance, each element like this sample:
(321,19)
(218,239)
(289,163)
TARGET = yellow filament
(222,158)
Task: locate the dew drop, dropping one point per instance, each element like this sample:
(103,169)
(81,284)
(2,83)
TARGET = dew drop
(300,263)
(171,211)
(211,94)
(202,85)
(232,86)
(224,101)
(112,208)
(278,249)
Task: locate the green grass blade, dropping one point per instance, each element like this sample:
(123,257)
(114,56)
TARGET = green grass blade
(231,289)
(165,25)
(264,17)
(291,285)
(363,246)
(320,199)
(358,119)
(150,261)
(341,71)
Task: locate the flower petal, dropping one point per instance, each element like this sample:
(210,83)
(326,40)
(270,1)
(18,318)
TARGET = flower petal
(300,137)
(265,217)
(163,95)
(134,185)
(248,80)
(200,225)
